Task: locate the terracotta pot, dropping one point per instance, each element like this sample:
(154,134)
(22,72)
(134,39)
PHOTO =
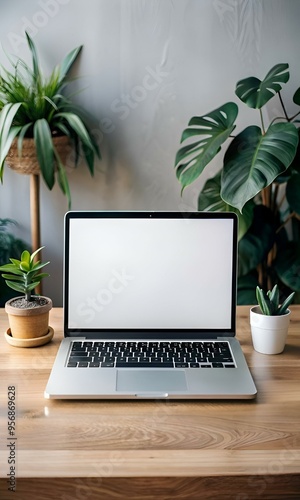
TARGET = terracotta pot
(28,163)
(28,323)
(268,332)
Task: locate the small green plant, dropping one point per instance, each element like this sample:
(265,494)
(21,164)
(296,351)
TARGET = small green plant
(24,275)
(269,302)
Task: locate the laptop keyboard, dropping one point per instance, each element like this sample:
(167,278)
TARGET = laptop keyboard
(94,354)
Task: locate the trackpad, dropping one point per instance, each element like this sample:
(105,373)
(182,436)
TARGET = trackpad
(141,381)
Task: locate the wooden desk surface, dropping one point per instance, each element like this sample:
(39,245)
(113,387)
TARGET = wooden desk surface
(238,450)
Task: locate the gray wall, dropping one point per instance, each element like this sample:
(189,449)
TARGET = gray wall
(147,66)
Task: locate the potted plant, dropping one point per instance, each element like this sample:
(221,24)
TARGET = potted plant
(259,180)
(270,321)
(38,122)
(28,314)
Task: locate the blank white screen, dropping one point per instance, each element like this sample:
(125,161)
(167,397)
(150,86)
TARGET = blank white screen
(150,273)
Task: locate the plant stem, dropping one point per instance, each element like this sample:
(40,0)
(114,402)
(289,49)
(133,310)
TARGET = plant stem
(283,107)
(290,216)
(262,122)
(294,116)
(274,198)
(266,196)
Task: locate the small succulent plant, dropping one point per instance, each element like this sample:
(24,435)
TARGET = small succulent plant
(24,275)
(269,302)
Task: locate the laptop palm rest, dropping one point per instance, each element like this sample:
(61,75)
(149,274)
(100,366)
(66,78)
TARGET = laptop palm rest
(141,381)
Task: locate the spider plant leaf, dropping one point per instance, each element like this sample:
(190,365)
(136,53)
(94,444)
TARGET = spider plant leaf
(35,62)
(63,179)
(89,158)
(44,150)
(212,130)
(253,161)
(21,136)
(256,93)
(67,62)
(79,128)
(62,128)
(7,131)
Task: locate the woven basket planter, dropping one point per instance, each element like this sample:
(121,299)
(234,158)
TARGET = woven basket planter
(28,163)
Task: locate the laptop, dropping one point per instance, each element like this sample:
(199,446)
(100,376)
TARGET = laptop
(150,308)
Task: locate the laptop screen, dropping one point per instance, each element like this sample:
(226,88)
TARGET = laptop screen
(150,271)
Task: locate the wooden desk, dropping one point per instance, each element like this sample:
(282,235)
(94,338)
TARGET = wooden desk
(237,450)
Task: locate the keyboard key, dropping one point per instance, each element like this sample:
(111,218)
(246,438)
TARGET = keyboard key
(71,364)
(218,359)
(205,366)
(229,366)
(83,364)
(98,344)
(78,348)
(194,365)
(77,344)
(217,365)
(106,364)
(121,364)
(79,358)
(94,364)
(181,365)
(109,359)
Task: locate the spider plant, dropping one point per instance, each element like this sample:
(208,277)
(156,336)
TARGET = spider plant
(33,105)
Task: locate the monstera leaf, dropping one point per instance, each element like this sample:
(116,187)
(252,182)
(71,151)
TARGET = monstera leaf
(254,160)
(210,201)
(212,130)
(296,97)
(256,93)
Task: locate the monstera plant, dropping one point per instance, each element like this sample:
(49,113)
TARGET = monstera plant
(259,180)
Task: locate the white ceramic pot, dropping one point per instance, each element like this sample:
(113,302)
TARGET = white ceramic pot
(268,332)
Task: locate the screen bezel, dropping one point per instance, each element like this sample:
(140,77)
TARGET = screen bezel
(161,334)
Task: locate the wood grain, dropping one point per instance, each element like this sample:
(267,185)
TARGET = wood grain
(237,450)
